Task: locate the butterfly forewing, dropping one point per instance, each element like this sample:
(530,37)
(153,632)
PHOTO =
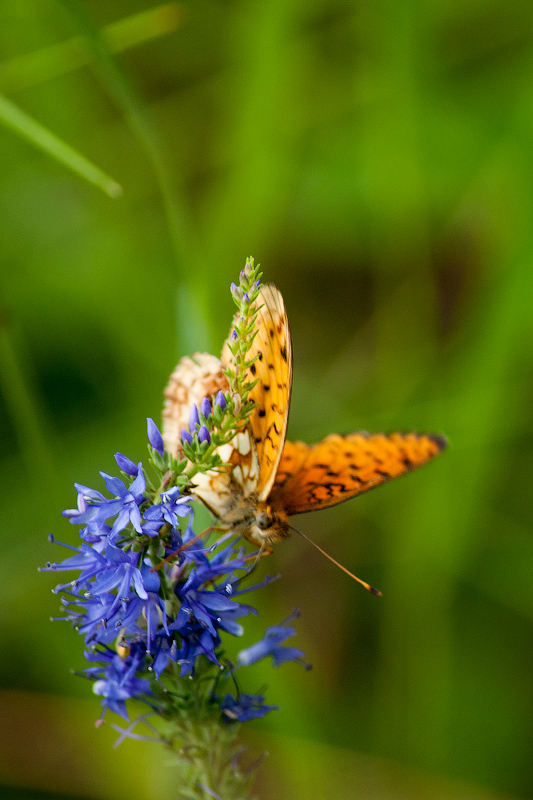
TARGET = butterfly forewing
(272,370)
(341,467)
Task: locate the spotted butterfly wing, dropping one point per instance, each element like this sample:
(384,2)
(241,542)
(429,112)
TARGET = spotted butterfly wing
(317,476)
(272,369)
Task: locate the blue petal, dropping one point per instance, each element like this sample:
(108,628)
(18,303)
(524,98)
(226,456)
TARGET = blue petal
(139,484)
(114,485)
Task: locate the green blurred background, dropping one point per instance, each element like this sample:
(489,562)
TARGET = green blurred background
(377,159)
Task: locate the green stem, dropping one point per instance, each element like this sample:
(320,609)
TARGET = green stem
(207,762)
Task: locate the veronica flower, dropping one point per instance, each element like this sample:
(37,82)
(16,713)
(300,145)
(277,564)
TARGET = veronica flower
(271,645)
(124,506)
(100,619)
(245,707)
(171,507)
(116,680)
(155,600)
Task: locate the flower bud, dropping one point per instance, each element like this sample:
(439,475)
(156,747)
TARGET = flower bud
(220,401)
(126,464)
(248,267)
(237,403)
(204,435)
(236,292)
(154,437)
(194,419)
(205,407)
(186,437)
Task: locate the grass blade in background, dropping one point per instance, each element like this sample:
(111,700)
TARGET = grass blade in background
(50,62)
(15,118)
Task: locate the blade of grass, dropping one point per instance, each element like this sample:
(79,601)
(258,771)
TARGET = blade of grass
(19,121)
(42,65)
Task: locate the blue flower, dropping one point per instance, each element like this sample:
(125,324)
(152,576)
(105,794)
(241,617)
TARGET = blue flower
(245,707)
(94,507)
(211,608)
(120,572)
(100,620)
(270,645)
(172,507)
(197,642)
(160,616)
(164,651)
(116,680)
(203,612)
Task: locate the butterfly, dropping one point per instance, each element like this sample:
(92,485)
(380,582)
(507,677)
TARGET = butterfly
(269,479)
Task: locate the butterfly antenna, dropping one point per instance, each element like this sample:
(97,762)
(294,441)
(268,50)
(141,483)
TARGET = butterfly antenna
(347,571)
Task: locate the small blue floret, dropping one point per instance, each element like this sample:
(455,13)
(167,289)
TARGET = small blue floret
(154,436)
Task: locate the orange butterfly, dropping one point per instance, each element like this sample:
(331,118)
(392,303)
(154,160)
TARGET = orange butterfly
(269,479)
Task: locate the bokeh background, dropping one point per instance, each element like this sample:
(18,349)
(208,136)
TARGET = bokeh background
(377,159)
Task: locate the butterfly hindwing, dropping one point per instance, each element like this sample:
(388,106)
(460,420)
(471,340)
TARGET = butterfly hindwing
(291,461)
(341,467)
(272,370)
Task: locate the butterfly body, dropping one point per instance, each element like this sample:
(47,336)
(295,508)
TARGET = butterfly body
(267,479)
(230,496)
(258,521)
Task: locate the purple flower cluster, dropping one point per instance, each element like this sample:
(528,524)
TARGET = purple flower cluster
(200,418)
(151,598)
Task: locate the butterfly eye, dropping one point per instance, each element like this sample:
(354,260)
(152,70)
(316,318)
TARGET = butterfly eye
(263,521)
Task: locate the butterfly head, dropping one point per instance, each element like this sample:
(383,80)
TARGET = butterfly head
(264,525)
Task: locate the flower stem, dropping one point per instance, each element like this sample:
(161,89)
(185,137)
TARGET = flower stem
(207,763)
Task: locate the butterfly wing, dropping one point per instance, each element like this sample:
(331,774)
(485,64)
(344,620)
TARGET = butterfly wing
(341,467)
(195,377)
(267,425)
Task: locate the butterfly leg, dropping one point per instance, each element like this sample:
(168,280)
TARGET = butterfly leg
(264,550)
(188,544)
